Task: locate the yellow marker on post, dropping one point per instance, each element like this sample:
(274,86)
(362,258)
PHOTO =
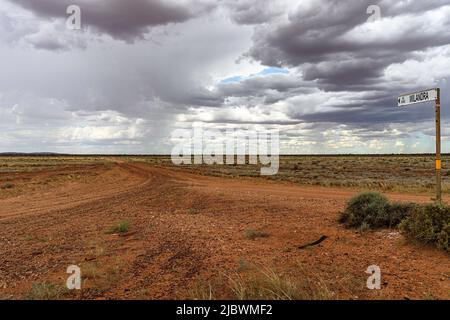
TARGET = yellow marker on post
(438,164)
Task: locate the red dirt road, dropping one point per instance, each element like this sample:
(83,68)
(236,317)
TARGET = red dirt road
(186,229)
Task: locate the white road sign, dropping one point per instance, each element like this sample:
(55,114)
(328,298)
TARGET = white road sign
(417,97)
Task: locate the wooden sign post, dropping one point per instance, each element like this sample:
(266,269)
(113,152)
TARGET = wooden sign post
(426,96)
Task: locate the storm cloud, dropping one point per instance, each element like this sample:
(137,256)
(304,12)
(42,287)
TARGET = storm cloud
(323,72)
(125,20)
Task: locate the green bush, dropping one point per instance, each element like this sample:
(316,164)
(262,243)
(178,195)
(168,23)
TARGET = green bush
(366,209)
(398,212)
(371,210)
(429,224)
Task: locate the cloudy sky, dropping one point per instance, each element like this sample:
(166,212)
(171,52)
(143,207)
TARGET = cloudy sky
(326,73)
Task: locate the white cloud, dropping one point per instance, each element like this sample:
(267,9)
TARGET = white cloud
(126,87)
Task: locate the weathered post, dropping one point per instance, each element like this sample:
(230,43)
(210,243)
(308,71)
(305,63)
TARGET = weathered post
(428,96)
(438,147)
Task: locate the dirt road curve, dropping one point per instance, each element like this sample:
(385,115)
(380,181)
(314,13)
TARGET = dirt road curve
(186,229)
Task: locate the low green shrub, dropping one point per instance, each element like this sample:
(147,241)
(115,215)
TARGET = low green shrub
(429,224)
(367,209)
(122,227)
(371,210)
(398,212)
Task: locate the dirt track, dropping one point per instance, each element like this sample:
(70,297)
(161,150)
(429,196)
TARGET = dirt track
(187,228)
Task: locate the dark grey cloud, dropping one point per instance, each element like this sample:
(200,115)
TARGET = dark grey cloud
(269,88)
(335,49)
(250,12)
(256,89)
(364,71)
(324,39)
(411,7)
(198,97)
(125,20)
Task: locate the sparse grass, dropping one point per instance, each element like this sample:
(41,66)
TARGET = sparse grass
(264,284)
(254,234)
(267,285)
(122,227)
(96,277)
(36,238)
(395,173)
(244,265)
(29,238)
(108,279)
(7,185)
(192,211)
(46,291)
(90,270)
(398,173)
(203,292)
(10,164)
(6,297)
(429,296)
(20,175)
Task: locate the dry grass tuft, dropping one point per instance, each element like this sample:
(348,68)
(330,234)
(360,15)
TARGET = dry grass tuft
(254,234)
(263,284)
(46,291)
(122,227)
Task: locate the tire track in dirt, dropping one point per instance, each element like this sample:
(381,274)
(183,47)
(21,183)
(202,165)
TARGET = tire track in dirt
(68,227)
(110,184)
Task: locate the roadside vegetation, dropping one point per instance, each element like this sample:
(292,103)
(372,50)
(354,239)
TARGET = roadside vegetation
(13,164)
(371,210)
(384,173)
(122,227)
(46,291)
(393,173)
(264,283)
(25,174)
(428,224)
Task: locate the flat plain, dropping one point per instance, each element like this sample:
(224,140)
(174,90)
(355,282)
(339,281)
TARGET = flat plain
(142,228)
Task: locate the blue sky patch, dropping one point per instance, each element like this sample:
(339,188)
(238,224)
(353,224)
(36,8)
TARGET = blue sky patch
(232,79)
(273,70)
(264,72)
